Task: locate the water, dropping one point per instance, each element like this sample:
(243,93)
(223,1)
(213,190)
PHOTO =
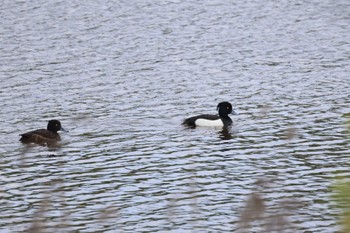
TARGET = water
(121,76)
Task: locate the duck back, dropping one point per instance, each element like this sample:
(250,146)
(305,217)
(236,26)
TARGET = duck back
(191,122)
(40,136)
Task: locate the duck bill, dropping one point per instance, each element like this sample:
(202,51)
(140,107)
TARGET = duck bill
(234,112)
(62,129)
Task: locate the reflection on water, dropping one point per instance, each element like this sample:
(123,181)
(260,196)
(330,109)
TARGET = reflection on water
(122,77)
(225,133)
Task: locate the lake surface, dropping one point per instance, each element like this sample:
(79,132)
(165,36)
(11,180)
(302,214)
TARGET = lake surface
(121,76)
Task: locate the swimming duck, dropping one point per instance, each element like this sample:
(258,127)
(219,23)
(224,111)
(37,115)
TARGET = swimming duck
(224,109)
(47,136)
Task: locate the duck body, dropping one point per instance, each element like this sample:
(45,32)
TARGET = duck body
(47,136)
(220,120)
(206,120)
(40,136)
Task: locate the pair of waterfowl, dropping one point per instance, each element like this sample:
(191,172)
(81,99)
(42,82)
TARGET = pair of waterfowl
(50,136)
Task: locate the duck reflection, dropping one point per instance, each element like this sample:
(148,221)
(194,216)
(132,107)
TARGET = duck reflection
(225,133)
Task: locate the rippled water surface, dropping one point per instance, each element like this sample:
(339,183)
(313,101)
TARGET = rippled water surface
(121,76)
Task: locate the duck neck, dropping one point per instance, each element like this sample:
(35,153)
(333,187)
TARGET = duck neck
(226,119)
(52,130)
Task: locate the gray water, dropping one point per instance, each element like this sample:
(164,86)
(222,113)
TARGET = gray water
(121,76)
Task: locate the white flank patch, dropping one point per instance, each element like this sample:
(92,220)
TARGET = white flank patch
(214,123)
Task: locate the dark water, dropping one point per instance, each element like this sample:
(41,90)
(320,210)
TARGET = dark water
(122,75)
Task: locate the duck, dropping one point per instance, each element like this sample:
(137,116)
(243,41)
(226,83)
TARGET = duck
(220,120)
(47,136)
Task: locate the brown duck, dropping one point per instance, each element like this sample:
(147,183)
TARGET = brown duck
(48,136)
